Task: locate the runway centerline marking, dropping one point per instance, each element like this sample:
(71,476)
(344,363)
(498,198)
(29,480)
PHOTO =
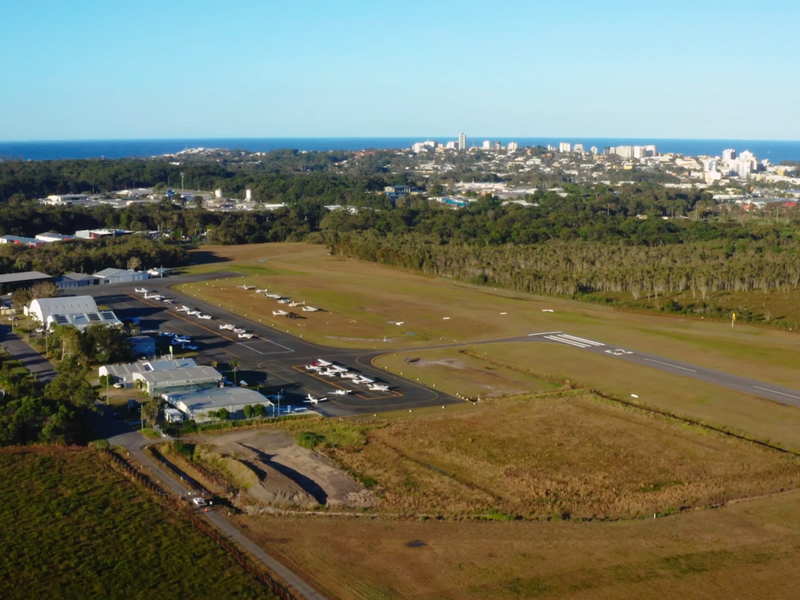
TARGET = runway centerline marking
(776,392)
(670,365)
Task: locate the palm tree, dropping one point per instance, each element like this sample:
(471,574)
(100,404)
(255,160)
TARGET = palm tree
(234,364)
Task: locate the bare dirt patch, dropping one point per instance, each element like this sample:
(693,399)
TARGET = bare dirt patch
(273,469)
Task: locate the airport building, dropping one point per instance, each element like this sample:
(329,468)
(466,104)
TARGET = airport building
(78,311)
(186,379)
(112,275)
(196,405)
(124,373)
(11,281)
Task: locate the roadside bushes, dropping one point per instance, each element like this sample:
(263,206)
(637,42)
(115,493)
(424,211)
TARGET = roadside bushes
(309,439)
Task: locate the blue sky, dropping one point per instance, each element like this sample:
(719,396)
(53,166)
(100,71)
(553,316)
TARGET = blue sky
(313,68)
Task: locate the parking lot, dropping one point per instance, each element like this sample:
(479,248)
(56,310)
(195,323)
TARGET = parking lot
(271,360)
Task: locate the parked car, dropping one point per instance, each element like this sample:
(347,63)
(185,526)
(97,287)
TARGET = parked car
(199,502)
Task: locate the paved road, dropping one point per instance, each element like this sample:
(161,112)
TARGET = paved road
(30,358)
(121,433)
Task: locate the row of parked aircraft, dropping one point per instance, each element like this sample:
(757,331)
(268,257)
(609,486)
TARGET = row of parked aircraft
(148,295)
(193,312)
(281,300)
(240,331)
(329,369)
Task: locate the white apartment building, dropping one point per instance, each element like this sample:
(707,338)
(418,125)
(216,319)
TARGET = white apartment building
(578,148)
(565,147)
(462,141)
(513,146)
(487,145)
(729,155)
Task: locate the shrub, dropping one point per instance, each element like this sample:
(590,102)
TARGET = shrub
(248,412)
(310,440)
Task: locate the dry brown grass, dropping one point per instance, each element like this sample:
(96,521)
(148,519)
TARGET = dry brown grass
(561,455)
(746,550)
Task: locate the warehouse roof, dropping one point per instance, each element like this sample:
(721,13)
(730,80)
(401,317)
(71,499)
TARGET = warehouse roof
(182,376)
(148,366)
(64,305)
(213,399)
(23,277)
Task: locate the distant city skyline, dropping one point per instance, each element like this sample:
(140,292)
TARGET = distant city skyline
(259,68)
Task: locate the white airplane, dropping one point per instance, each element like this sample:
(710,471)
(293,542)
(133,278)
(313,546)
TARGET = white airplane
(167,301)
(239,330)
(311,400)
(377,387)
(294,304)
(261,291)
(194,313)
(349,375)
(399,322)
(274,296)
(246,336)
(362,379)
(140,291)
(310,309)
(153,296)
(324,363)
(341,392)
(226,326)
(183,308)
(313,367)
(245,287)
(339,369)
(329,373)
(279,313)
(283,301)
(205,317)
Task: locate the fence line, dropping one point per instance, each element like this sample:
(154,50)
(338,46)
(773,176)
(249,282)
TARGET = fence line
(276,588)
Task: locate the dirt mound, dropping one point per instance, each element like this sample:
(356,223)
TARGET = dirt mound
(274,470)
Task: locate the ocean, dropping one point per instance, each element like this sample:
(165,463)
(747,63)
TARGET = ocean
(775,151)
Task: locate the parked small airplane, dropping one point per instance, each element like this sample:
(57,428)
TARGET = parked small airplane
(329,373)
(274,296)
(294,304)
(283,301)
(205,317)
(378,387)
(310,309)
(246,287)
(313,367)
(350,375)
(194,313)
(183,308)
(188,346)
(140,290)
(311,400)
(324,363)
(341,392)
(261,291)
(279,313)
(152,296)
(246,336)
(226,326)
(239,330)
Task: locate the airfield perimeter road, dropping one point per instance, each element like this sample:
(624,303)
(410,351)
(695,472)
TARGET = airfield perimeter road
(282,355)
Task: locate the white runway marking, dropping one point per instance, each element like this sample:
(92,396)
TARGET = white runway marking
(543,333)
(776,392)
(249,346)
(581,340)
(556,338)
(669,365)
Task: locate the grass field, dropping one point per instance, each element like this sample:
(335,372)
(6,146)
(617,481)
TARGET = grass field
(735,411)
(72,527)
(747,550)
(364,301)
(557,455)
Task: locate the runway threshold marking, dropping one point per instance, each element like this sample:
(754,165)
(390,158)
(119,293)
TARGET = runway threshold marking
(670,365)
(555,338)
(776,392)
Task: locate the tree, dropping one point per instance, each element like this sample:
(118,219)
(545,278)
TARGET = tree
(45,289)
(223,414)
(151,410)
(234,364)
(259,410)
(70,385)
(21,298)
(248,411)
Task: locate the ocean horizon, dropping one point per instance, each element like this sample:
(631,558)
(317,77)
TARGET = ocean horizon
(774,150)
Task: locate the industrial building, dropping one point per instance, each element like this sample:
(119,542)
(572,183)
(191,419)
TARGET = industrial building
(21,241)
(187,379)
(196,405)
(12,281)
(112,275)
(78,311)
(124,373)
(76,280)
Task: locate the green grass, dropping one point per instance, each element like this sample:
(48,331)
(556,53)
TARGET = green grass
(72,527)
